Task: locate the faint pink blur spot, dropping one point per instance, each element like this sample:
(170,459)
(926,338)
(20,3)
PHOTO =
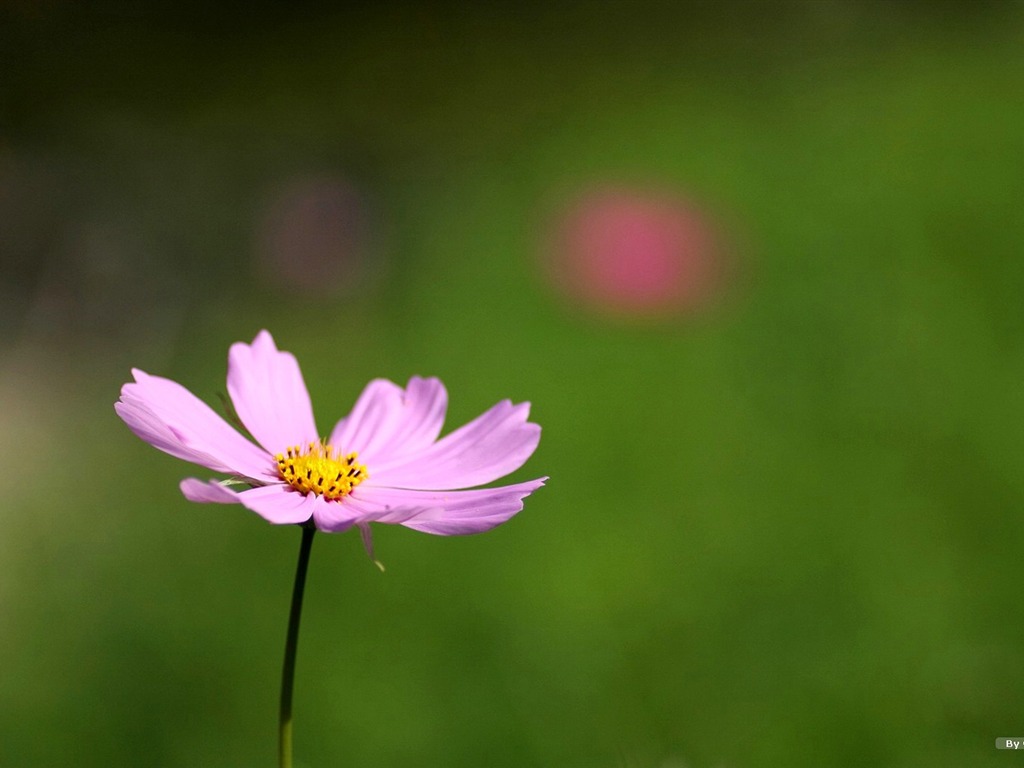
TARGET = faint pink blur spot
(314,237)
(637,252)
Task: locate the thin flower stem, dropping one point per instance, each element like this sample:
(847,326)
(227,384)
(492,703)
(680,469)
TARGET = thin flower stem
(291,645)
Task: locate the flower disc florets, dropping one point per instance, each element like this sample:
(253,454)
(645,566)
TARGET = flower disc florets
(321,470)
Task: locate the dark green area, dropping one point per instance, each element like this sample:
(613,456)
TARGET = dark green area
(786,531)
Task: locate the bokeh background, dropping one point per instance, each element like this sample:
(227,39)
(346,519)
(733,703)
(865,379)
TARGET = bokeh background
(757,265)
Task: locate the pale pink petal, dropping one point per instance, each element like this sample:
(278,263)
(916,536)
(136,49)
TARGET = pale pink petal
(366,508)
(169,417)
(423,408)
(491,446)
(207,491)
(447,513)
(377,411)
(388,422)
(279,504)
(335,516)
(269,394)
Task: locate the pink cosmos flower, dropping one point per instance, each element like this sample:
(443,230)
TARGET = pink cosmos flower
(382,463)
(638,252)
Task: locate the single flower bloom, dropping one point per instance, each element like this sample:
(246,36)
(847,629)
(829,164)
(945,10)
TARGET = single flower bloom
(383,463)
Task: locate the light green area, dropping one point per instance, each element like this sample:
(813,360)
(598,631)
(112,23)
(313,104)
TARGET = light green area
(785,532)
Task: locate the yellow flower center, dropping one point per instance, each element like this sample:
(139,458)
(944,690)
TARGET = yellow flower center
(321,470)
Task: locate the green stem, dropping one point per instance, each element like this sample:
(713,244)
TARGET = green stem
(291,645)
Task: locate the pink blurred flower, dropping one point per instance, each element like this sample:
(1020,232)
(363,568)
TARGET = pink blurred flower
(382,463)
(637,252)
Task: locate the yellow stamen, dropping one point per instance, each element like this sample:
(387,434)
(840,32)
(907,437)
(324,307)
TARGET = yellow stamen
(321,470)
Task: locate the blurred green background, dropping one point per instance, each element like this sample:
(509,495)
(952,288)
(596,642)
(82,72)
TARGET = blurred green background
(783,528)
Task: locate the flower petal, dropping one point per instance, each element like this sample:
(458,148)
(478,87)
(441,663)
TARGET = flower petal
(388,422)
(489,447)
(269,394)
(278,504)
(423,408)
(376,411)
(336,516)
(169,417)
(448,513)
(207,491)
